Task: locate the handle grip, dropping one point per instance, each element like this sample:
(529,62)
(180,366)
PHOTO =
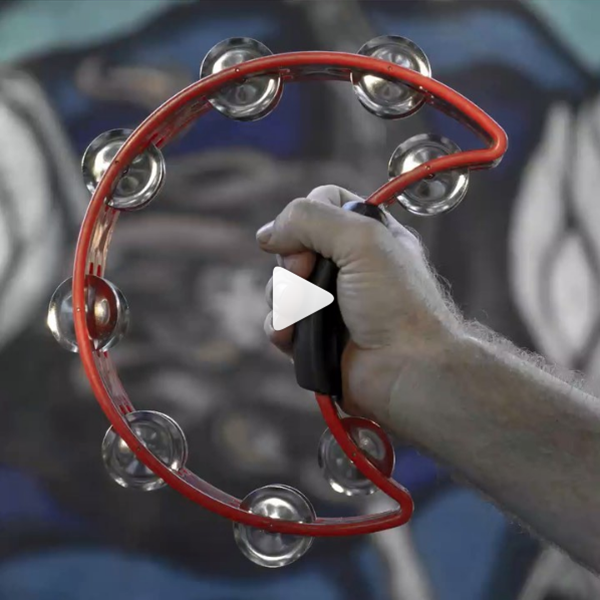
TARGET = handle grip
(320,338)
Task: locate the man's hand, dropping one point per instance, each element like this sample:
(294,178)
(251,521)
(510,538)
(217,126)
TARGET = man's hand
(389,298)
(519,430)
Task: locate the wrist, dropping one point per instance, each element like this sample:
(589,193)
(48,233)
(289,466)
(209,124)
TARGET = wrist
(423,383)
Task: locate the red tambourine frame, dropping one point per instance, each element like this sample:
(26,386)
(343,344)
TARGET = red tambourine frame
(95,234)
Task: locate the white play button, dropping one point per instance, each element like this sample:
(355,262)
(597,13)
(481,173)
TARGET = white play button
(295,298)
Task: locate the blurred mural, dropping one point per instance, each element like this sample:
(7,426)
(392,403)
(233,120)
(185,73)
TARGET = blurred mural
(522,255)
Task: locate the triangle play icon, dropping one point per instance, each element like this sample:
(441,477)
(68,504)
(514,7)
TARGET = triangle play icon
(295,298)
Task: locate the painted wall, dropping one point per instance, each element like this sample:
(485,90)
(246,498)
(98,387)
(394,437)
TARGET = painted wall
(521,255)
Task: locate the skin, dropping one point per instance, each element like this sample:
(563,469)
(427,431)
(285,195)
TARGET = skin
(524,433)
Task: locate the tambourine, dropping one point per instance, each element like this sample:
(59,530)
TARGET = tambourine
(124,170)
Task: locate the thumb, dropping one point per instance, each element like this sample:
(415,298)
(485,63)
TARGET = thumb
(323,228)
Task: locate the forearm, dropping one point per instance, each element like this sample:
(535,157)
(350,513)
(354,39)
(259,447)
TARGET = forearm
(525,437)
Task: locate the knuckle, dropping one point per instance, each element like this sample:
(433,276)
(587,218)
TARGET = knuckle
(329,191)
(297,209)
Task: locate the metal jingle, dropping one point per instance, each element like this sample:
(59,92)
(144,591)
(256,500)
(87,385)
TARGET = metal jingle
(160,434)
(340,472)
(269,549)
(438,193)
(107,314)
(257,95)
(141,181)
(390,99)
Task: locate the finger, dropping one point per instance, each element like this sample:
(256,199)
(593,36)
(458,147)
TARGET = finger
(301,263)
(325,194)
(269,293)
(283,339)
(323,228)
(338,196)
(334,195)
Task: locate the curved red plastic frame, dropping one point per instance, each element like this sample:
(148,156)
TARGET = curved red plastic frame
(94,238)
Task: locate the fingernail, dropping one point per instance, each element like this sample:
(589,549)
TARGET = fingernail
(263,235)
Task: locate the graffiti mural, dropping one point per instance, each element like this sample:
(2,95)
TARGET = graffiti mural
(195,281)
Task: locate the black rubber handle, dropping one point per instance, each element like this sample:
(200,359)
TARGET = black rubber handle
(320,338)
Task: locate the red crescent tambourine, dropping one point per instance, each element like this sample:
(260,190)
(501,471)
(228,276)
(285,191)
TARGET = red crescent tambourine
(124,170)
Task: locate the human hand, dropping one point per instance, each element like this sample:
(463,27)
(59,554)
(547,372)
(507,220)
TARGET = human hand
(389,298)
